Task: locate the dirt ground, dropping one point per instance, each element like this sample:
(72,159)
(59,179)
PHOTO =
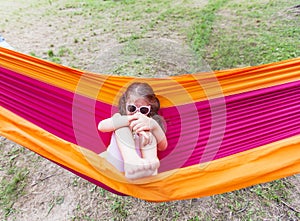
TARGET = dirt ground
(53,193)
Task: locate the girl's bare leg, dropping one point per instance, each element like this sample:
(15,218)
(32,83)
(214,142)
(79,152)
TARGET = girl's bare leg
(149,153)
(134,166)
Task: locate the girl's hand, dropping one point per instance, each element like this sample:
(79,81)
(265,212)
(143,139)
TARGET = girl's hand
(139,122)
(145,137)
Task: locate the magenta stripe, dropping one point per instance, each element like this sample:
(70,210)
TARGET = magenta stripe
(252,119)
(51,108)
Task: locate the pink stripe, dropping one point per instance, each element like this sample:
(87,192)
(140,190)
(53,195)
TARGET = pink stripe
(195,131)
(52,108)
(253,119)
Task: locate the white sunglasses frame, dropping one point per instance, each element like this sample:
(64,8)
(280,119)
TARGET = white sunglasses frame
(138,109)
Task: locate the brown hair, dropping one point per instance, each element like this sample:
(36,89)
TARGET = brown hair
(145,91)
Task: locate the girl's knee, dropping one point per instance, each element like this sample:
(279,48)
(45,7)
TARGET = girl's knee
(123,130)
(124,135)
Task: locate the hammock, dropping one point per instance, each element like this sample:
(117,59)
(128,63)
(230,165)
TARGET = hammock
(226,130)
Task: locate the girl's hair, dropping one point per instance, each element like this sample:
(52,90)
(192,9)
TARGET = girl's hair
(145,91)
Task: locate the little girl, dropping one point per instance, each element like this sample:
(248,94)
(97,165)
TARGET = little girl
(138,132)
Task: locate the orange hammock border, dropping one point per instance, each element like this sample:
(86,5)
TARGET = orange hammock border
(259,165)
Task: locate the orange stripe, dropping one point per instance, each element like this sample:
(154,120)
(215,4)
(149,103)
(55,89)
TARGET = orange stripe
(263,164)
(172,91)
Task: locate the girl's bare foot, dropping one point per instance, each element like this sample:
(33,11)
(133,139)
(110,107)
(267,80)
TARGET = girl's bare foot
(141,168)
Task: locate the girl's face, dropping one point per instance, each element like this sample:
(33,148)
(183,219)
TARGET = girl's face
(137,104)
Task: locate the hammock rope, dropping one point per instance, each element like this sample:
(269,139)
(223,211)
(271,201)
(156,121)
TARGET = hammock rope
(226,130)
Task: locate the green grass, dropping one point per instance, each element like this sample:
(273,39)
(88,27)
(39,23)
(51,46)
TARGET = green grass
(11,189)
(13,182)
(250,33)
(224,33)
(201,31)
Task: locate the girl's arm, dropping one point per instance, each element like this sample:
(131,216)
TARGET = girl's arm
(160,136)
(142,123)
(113,123)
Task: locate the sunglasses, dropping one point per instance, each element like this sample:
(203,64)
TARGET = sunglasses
(142,109)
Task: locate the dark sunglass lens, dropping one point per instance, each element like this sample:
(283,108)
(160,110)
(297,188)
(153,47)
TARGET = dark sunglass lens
(144,110)
(131,108)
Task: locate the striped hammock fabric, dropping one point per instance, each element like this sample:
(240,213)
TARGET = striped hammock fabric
(226,130)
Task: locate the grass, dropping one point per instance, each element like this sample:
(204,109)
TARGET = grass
(11,189)
(256,32)
(12,182)
(225,33)
(201,31)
